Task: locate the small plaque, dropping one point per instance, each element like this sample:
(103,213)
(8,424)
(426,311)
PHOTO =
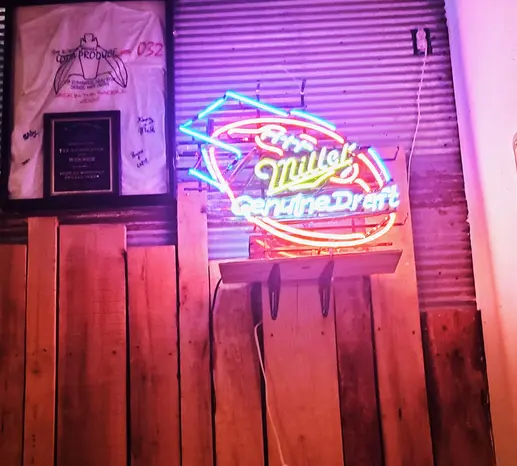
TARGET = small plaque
(82,154)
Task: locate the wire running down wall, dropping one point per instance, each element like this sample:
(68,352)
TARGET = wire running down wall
(361,73)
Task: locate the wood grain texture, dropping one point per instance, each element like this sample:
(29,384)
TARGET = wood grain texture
(238,409)
(91,413)
(458,388)
(400,361)
(301,369)
(196,389)
(13,261)
(40,369)
(153,336)
(357,380)
(311,268)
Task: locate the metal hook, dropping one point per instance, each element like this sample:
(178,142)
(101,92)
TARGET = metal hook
(325,282)
(273,283)
(302,93)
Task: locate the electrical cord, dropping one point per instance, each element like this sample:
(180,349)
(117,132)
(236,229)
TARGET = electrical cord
(257,344)
(268,408)
(418,107)
(212,304)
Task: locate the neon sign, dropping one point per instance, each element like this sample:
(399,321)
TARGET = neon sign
(305,170)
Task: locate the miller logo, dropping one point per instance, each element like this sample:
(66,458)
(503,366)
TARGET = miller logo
(88,62)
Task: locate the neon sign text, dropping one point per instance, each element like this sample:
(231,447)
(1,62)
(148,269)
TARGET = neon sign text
(305,172)
(303,205)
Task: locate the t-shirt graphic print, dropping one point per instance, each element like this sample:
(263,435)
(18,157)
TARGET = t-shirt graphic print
(90,61)
(91,57)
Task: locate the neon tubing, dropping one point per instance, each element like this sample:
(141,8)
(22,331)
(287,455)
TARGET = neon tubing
(256,103)
(218,173)
(363,184)
(311,234)
(372,168)
(263,145)
(313,118)
(380,163)
(285,121)
(260,130)
(211,108)
(208,163)
(280,229)
(309,138)
(210,140)
(303,183)
(205,178)
(324,244)
(281,253)
(349,179)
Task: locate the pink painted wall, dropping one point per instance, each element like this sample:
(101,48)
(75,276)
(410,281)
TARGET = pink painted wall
(483,38)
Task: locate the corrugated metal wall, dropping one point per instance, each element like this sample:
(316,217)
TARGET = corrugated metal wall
(357,57)
(145,226)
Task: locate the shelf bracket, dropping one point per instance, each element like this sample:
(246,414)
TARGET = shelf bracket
(273,284)
(325,283)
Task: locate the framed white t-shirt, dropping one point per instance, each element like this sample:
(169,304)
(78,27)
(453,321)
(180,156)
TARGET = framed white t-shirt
(91,57)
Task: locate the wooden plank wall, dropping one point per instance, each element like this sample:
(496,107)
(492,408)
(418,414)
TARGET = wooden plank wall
(237,391)
(194,336)
(341,388)
(302,382)
(40,369)
(360,420)
(92,396)
(153,337)
(12,352)
(398,343)
(458,389)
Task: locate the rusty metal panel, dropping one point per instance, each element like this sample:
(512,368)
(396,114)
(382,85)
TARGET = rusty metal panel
(146,226)
(357,57)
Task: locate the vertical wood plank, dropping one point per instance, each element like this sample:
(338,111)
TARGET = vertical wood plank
(398,344)
(12,352)
(92,401)
(153,336)
(357,379)
(458,388)
(301,369)
(196,389)
(40,370)
(238,410)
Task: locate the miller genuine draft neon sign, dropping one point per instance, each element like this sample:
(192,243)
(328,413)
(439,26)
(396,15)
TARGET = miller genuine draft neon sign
(306,170)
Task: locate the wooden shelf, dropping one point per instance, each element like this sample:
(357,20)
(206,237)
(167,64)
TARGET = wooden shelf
(311,268)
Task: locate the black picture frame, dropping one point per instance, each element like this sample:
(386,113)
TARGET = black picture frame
(45,205)
(88,165)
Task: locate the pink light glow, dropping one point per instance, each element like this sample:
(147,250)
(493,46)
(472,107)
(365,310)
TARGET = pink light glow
(280,121)
(383,228)
(373,169)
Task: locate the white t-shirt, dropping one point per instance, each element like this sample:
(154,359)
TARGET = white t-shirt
(90,57)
